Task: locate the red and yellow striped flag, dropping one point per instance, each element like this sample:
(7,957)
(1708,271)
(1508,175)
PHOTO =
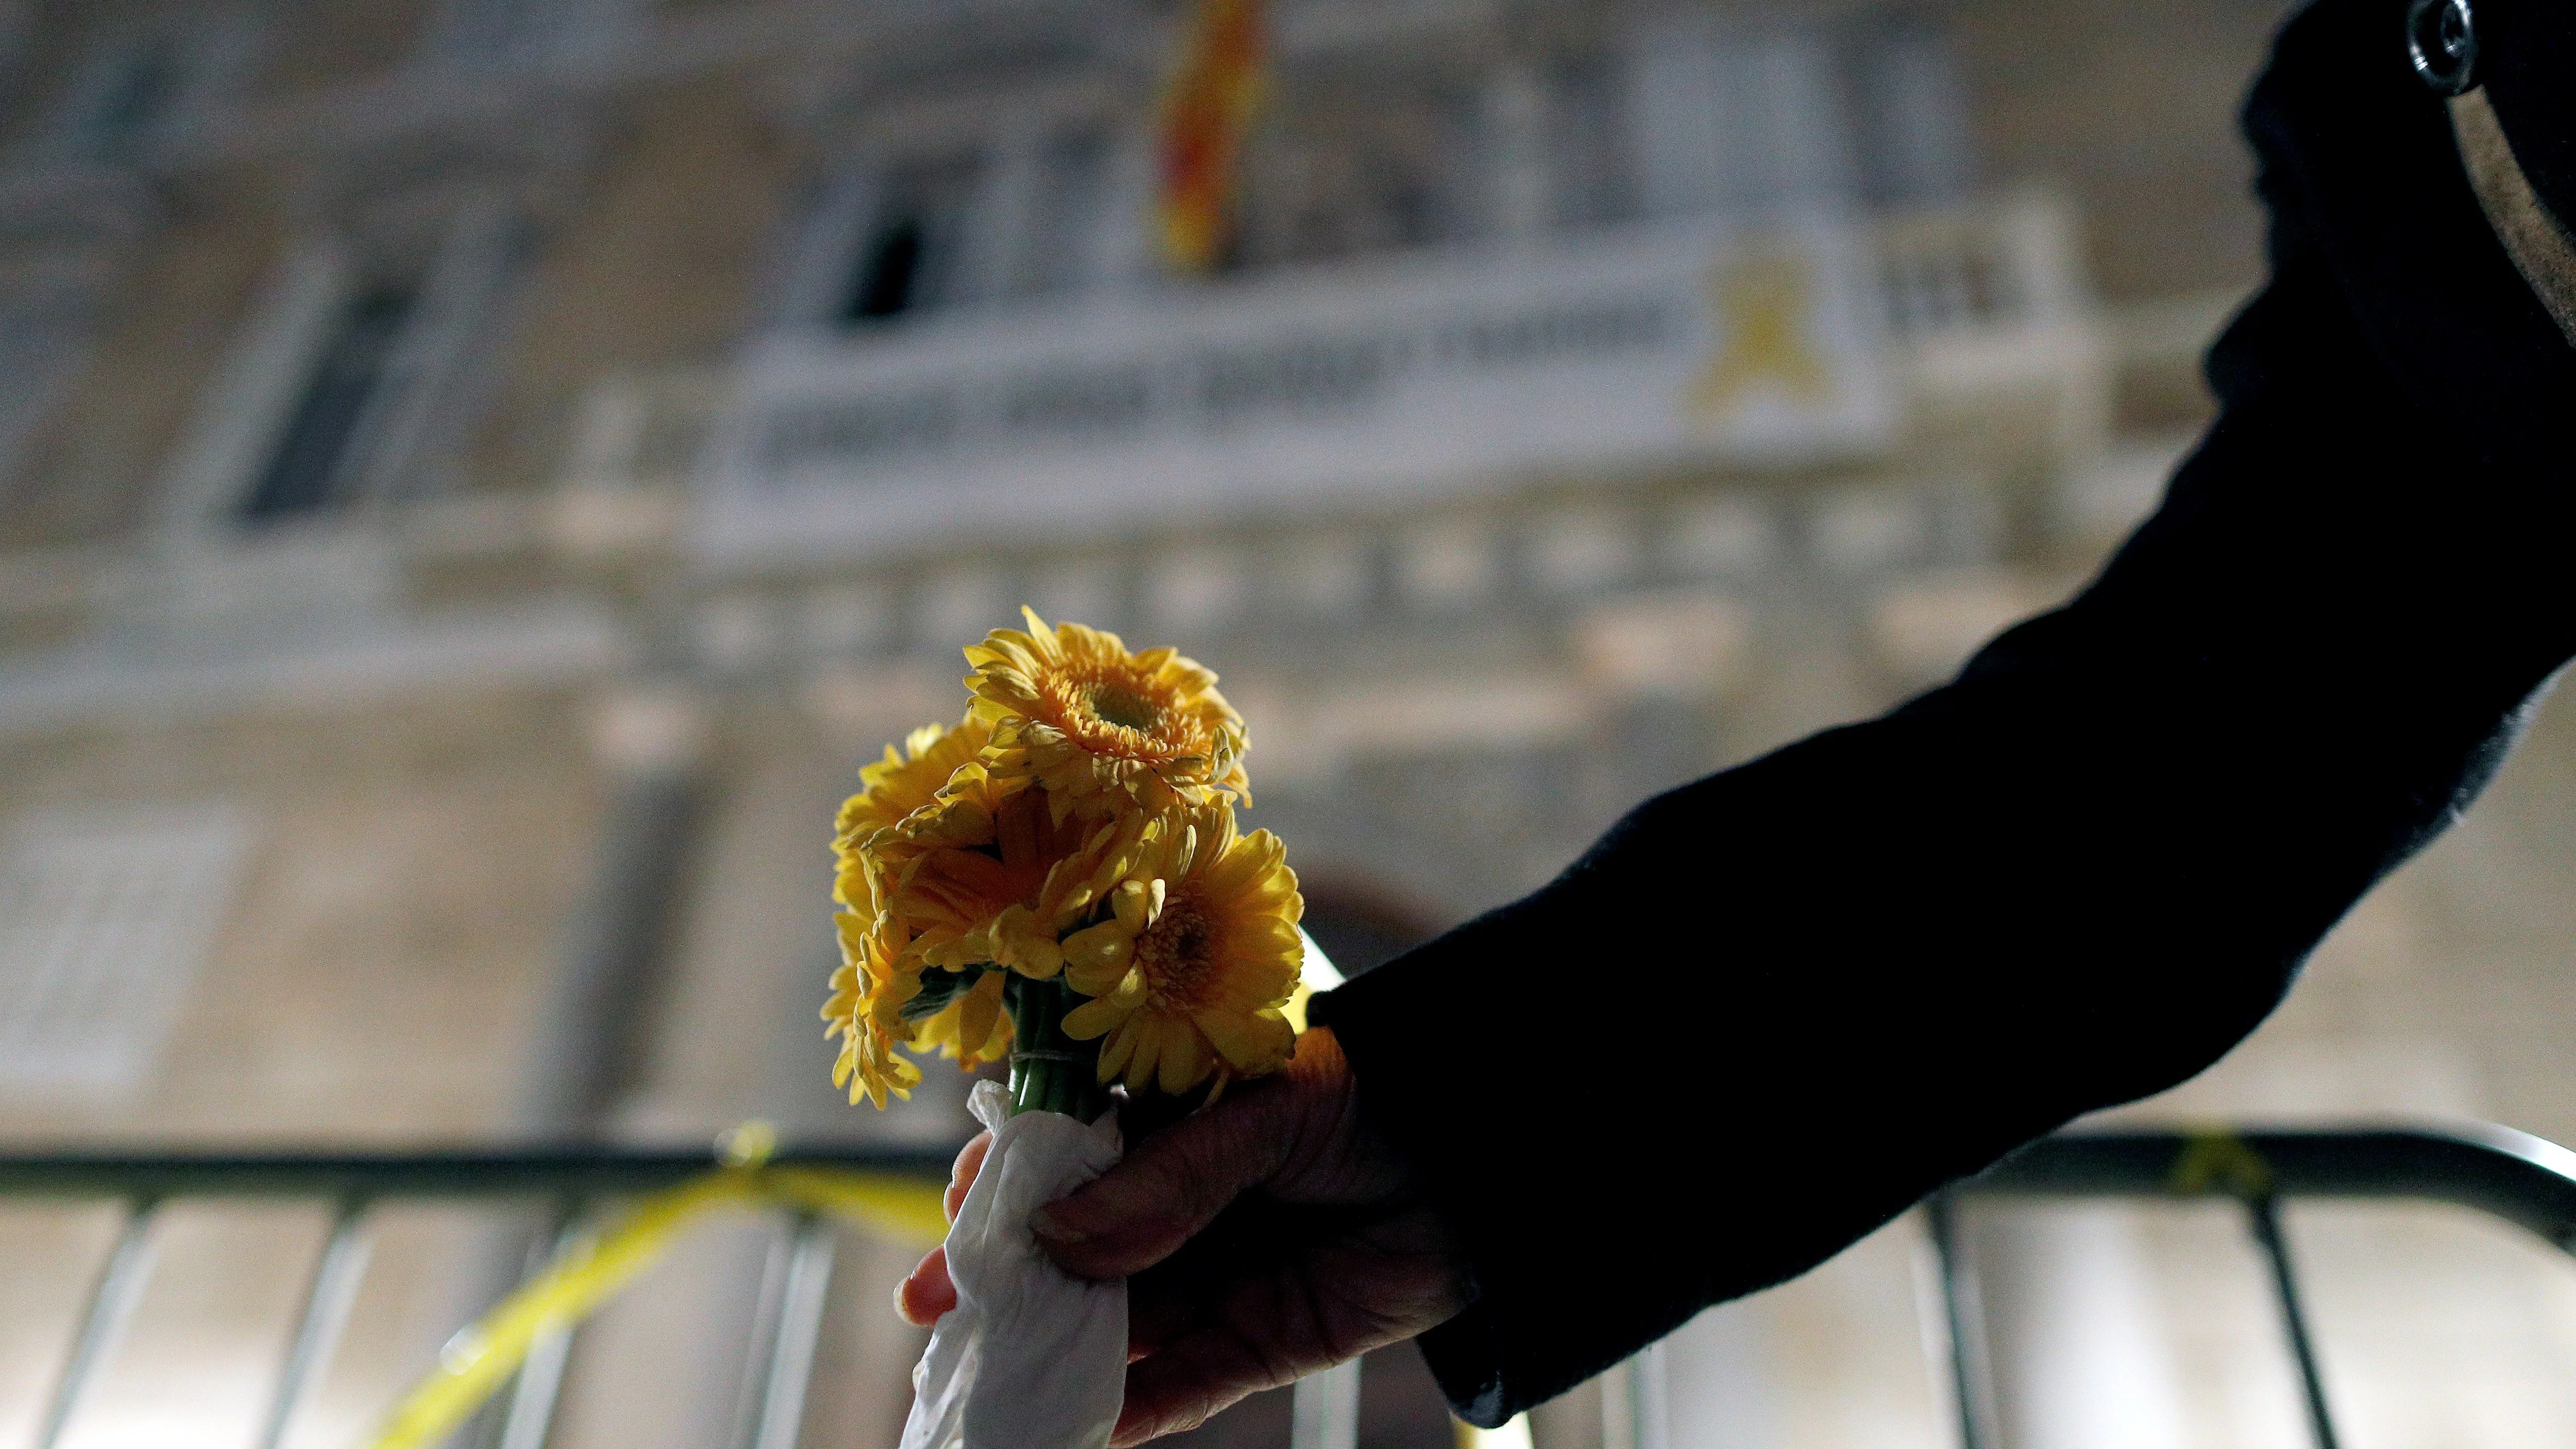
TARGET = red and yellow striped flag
(1207,107)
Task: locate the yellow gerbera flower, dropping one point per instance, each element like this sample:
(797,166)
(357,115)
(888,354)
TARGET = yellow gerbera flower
(891,790)
(876,979)
(999,876)
(1201,952)
(1073,710)
(866,1012)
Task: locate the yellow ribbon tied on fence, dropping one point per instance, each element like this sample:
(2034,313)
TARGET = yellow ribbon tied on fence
(590,1271)
(2216,1159)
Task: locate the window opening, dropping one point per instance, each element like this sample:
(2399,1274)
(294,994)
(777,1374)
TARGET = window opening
(106,916)
(887,272)
(1073,193)
(310,468)
(910,255)
(1589,153)
(1355,160)
(1912,111)
(511,32)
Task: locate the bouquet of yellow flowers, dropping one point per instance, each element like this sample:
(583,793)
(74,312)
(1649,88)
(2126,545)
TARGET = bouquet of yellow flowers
(1058,879)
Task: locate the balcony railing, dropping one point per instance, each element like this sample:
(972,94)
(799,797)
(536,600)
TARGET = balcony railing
(1979,295)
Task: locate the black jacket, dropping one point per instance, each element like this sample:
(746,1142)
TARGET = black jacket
(1881,958)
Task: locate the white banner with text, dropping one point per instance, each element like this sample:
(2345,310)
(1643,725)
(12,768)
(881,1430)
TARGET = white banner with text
(1437,373)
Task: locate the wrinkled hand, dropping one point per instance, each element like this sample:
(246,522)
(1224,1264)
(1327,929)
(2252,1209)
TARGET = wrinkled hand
(1264,1238)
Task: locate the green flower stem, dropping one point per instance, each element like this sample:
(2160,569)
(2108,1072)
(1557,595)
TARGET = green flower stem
(1051,1072)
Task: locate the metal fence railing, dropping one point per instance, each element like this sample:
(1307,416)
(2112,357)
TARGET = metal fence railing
(568,1186)
(2508,1175)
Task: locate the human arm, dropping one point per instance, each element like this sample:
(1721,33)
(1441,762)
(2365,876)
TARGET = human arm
(2073,877)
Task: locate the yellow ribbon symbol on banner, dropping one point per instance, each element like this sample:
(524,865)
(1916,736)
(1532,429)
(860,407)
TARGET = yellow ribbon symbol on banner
(481,1358)
(1762,301)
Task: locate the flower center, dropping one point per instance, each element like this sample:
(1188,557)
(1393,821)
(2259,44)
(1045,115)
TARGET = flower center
(1174,952)
(1119,705)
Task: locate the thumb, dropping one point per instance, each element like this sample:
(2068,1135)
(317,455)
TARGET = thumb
(1173,1184)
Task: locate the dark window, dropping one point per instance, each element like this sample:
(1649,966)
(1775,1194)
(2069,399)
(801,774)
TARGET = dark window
(909,259)
(889,269)
(1355,160)
(308,471)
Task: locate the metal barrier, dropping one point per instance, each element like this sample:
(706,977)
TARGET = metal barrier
(2507,1174)
(2496,1170)
(568,1184)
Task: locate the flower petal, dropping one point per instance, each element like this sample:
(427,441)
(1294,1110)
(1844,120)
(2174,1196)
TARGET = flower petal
(1137,903)
(1094,1017)
(1097,956)
(1114,1053)
(1145,1032)
(982,1006)
(1253,1043)
(1184,1062)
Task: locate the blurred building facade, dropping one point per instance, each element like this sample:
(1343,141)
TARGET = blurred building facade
(476,477)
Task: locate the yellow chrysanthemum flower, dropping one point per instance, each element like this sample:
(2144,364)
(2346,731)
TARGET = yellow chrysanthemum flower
(1000,874)
(890,791)
(1099,726)
(1201,952)
(866,1012)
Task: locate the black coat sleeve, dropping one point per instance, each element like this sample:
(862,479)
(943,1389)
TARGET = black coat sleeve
(1771,1009)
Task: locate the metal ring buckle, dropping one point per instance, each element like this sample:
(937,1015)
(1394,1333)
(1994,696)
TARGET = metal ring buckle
(2442,40)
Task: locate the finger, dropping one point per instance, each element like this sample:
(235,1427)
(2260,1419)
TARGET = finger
(1217,1333)
(1155,1319)
(928,1293)
(961,1178)
(1175,1182)
(1188,1382)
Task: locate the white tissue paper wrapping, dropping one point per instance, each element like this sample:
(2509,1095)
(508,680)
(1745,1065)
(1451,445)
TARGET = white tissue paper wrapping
(1031,1357)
